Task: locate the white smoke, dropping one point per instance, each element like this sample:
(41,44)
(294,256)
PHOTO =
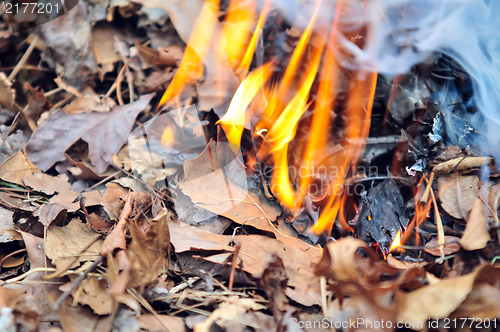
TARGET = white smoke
(402,33)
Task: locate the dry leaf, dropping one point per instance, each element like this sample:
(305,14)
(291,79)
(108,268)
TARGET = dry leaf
(102,42)
(149,250)
(150,323)
(6,225)
(256,252)
(7,94)
(114,199)
(47,213)
(451,246)
(216,181)
(229,310)
(47,184)
(71,245)
(457,194)
(439,300)
(104,132)
(94,293)
(476,234)
(16,168)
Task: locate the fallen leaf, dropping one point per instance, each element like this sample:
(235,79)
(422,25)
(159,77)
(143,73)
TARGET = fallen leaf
(451,246)
(458,193)
(439,300)
(67,38)
(104,132)
(476,234)
(83,170)
(71,245)
(371,286)
(6,225)
(94,293)
(47,184)
(256,252)
(483,302)
(70,199)
(149,322)
(7,94)
(216,181)
(113,199)
(229,310)
(47,213)
(102,42)
(16,168)
(149,250)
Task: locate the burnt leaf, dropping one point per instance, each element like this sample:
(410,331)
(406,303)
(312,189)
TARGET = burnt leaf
(381,215)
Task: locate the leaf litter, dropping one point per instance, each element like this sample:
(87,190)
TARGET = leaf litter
(95,243)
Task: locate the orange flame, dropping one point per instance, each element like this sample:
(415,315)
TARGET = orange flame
(280,106)
(191,67)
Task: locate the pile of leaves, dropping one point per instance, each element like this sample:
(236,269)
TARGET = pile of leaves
(93,238)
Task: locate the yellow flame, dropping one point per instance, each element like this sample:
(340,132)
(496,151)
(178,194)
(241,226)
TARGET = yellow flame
(247,58)
(236,31)
(396,242)
(233,122)
(191,66)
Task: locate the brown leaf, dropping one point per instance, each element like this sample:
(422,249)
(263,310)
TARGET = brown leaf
(476,234)
(255,254)
(6,225)
(16,168)
(229,310)
(149,250)
(457,194)
(67,39)
(94,293)
(451,246)
(102,42)
(83,170)
(206,182)
(71,199)
(104,132)
(114,199)
(47,184)
(7,94)
(149,322)
(440,299)
(483,302)
(71,245)
(47,213)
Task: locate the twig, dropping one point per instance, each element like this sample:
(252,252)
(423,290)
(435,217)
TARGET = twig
(75,283)
(23,59)
(237,247)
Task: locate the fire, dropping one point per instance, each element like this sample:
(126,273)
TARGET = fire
(273,106)
(396,243)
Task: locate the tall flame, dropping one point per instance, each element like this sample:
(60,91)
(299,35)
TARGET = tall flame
(279,106)
(191,66)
